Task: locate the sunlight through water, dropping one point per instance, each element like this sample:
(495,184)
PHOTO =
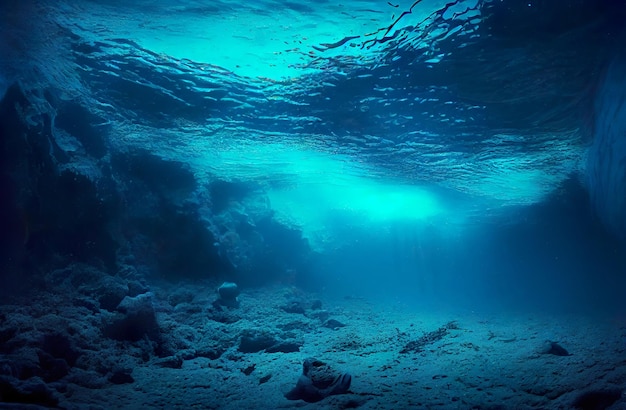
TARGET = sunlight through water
(367,107)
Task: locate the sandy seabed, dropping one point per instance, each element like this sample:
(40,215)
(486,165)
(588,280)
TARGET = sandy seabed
(399,357)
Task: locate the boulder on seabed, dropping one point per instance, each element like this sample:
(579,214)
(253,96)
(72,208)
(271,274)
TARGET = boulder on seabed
(318,381)
(136,319)
(229,292)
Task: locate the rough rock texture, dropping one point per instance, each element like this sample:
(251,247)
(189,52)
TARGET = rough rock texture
(463,360)
(318,381)
(68,195)
(606,160)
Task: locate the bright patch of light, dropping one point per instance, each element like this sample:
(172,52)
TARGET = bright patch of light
(322,194)
(326,208)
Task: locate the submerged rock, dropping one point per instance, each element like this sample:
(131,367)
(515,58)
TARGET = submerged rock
(294,306)
(229,292)
(318,381)
(253,342)
(136,319)
(333,324)
(555,349)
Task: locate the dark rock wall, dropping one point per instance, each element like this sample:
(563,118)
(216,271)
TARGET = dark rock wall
(69,197)
(12,218)
(606,165)
(49,211)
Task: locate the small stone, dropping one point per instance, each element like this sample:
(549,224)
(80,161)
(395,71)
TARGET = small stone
(333,324)
(294,306)
(555,349)
(318,381)
(228,292)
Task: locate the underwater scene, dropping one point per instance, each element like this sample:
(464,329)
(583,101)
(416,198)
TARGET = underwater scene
(363,204)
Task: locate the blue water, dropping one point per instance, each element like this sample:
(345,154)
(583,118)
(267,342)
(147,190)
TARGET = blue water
(437,156)
(198,199)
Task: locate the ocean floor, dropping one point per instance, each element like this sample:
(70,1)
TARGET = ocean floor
(72,345)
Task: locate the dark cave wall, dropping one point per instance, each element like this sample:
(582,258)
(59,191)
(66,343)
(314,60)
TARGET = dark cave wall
(12,219)
(68,198)
(64,206)
(48,212)
(606,163)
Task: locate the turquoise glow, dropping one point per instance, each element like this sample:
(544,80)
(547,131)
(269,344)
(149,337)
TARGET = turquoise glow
(277,130)
(310,190)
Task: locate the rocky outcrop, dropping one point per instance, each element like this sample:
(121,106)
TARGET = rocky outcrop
(70,195)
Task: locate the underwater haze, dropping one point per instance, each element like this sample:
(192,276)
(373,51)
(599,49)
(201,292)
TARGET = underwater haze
(220,190)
